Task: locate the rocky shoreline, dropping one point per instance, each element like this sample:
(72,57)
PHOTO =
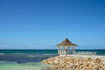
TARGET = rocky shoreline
(75,63)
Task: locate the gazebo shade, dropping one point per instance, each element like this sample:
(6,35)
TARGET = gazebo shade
(66,42)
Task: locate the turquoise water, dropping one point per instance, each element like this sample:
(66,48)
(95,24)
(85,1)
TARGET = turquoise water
(30,59)
(25,66)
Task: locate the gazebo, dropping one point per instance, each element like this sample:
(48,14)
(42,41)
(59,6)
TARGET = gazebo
(64,47)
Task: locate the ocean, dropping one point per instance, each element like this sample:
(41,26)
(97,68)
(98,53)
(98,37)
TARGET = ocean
(30,59)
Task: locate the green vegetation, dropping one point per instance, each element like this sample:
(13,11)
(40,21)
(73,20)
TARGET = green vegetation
(97,59)
(89,58)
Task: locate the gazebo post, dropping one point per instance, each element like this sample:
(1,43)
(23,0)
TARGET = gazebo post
(68,49)
(73,48)
(64,50)
(59,49)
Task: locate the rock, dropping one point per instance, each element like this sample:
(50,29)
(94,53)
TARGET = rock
(96,68)
(76,62)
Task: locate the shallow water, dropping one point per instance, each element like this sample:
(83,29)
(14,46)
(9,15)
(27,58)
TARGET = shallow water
(24,66)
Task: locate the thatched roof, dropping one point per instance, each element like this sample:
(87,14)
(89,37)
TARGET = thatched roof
(66,42)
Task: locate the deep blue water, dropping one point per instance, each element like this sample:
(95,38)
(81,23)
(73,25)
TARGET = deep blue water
(23,56)
(99,52)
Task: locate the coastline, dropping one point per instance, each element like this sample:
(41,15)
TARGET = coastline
(36,56)
(90,56)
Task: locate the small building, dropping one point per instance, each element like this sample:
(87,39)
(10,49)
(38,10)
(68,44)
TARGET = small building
(64,47)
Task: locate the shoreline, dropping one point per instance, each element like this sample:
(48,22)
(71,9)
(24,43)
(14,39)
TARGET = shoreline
(88,56)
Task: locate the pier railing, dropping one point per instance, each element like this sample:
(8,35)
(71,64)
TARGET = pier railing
(84,53)
(65,52)
(62,52)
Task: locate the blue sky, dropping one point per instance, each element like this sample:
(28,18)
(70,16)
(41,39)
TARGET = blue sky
(41,24)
